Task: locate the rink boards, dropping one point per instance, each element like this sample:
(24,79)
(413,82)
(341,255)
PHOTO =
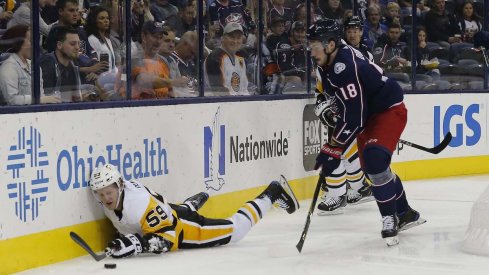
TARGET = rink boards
(230,149)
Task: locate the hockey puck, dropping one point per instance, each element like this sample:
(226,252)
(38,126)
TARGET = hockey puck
(110,266)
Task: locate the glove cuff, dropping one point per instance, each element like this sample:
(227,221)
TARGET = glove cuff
(334,152)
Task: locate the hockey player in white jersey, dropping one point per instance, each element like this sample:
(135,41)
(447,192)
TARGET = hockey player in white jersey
(148,223)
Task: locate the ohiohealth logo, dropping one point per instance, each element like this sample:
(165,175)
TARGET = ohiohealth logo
(26,158)
(214,154)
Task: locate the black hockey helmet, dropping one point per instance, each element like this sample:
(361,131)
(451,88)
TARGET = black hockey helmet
(353,22)
(325,30)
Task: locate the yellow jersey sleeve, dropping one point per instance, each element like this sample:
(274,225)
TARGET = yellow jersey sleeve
(159,218)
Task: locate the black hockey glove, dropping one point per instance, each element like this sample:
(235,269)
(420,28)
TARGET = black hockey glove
(325,110)
(156,244)
(328,159)
(125,246)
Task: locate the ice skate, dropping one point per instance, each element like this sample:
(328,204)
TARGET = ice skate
(363,195)
(281,194)
(331,205)
(196,201)
(410,218)
(390,229)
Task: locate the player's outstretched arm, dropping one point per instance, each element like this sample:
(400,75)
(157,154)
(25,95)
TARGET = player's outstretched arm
(134,244)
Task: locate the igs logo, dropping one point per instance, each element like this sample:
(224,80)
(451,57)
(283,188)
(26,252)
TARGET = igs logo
(214,154)
(26,158)
(461,120)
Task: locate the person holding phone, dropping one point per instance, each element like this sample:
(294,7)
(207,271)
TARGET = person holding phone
(98,29)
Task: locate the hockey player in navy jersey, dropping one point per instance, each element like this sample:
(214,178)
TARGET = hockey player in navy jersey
(365,105)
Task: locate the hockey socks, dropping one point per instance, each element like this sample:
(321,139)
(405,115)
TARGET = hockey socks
(249,215)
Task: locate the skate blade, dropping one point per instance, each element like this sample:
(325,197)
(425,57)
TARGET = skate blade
(338,211)
(392,241)
(420,221)
(285,184)
(363,200)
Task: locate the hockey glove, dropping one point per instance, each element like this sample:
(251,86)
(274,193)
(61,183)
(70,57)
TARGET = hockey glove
(125,246)
(325,111)
(156,244)
(329,159)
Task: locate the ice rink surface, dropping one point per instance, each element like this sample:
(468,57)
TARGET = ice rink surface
(342,244)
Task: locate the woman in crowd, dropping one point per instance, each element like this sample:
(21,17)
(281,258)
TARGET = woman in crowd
(15,71)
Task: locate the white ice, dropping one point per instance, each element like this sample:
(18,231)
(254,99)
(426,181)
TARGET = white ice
(342,244)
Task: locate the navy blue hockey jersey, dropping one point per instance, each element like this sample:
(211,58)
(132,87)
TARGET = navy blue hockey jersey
(358,89)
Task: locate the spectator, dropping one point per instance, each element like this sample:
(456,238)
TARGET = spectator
(163,11)
(332,9)
(424,62)
(87,59)
(373,28)
(185,21)
(389,51)
(150,74)
(225,71)
(185,53)
(278,9)
(393,14)
(290,55)
(98,31)
(15,72)
(179,82)
(226,11)
(22,16)
(6,12)
(61,75)
(440,25)
(278,34)
(354,36)
(140,13)
(469,22)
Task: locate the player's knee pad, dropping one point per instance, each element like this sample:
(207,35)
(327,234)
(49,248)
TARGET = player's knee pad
(384,189)
(376,159)
(382,178)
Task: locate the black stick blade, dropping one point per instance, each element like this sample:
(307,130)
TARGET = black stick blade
(77,239)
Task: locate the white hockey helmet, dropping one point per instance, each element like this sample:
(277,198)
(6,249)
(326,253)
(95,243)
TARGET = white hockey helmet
(104,176)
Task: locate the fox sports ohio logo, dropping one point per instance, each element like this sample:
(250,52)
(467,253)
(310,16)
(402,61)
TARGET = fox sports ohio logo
(27,164)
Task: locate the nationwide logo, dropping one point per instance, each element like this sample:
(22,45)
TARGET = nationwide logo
(215,154)
(26,158)
(241,149)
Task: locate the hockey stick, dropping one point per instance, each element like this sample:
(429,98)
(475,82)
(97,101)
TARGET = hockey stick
(435,150)
(300,244)
(77,239)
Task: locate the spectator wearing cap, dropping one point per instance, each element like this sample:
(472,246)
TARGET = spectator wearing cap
(226,71)
(163,11)
(279,9)
(354,36)
(150,75)
(290,55)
